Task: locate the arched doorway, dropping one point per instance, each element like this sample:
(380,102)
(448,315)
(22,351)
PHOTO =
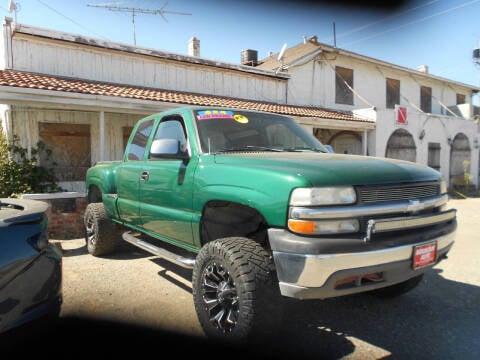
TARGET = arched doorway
(459,152)
(401,146)
(347,142)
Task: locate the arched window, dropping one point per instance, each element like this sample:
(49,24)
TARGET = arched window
(459,152)
(401,146)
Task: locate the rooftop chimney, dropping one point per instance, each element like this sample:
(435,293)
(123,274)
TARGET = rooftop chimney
(249,57)
(194,47)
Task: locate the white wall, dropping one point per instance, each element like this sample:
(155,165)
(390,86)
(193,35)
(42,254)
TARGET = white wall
(438,128)
(80,61)
(313,83)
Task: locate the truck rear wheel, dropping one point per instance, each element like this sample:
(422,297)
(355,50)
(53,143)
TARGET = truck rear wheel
(234,292)
(100,231)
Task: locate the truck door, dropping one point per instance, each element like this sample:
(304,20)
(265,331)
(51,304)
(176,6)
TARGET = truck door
(166,190)
(129,174)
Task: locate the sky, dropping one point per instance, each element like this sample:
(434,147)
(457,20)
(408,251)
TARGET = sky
(441,34)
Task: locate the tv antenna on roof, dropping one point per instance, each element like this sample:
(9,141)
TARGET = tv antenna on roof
(135,11)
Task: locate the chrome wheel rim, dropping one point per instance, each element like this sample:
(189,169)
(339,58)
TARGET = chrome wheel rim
(220,297)
(90,231)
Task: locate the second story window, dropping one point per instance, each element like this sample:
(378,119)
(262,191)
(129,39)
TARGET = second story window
(343,83)
(426,99)
(460,99)
(393,93)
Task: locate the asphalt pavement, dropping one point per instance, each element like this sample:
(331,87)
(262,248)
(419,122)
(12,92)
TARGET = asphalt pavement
(135,300)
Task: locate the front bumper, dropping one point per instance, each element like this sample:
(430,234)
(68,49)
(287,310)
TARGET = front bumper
(311,268)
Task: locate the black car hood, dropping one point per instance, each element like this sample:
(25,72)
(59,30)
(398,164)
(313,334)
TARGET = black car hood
(15,211)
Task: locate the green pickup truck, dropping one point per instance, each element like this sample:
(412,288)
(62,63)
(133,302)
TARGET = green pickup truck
(261,210)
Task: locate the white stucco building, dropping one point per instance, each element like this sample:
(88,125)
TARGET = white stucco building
(418,116)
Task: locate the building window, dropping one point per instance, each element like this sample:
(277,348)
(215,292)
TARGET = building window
(460,99)
(71,152)
(434,156)
(393,93)
(426,99)
(343,84)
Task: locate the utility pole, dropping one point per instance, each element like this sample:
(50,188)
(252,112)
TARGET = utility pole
(135,11)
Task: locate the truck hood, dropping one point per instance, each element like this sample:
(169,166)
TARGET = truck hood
(332,169)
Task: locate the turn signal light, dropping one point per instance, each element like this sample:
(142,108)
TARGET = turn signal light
(301,226)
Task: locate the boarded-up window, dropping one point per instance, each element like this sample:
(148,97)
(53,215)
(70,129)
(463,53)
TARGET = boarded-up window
(460,99)
(343,83)
(426,99)
(460,152)
(434,155)
(393,93)
(71,151)
(401,145)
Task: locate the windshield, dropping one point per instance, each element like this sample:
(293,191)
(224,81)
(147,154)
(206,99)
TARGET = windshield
(232,130)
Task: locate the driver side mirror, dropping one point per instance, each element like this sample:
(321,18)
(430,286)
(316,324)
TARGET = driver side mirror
(168,149)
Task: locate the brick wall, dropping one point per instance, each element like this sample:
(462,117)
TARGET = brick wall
(66,223)
(65,214)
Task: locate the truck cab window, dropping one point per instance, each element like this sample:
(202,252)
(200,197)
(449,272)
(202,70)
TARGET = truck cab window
(136,150)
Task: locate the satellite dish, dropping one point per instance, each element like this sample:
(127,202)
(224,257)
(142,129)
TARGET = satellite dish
(282,52)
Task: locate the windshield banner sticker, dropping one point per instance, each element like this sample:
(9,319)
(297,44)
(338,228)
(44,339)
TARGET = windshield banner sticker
(214,114)
(221,114)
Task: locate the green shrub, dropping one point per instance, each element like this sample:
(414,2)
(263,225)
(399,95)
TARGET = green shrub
(20,174)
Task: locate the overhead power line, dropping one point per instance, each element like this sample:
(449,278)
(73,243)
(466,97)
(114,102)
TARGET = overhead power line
(135,11)
(68,18)
(373,23)
(428,17)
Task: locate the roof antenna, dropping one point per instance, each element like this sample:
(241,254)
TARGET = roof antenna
(135,11)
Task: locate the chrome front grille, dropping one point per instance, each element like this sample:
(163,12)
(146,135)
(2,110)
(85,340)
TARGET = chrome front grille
(381,194)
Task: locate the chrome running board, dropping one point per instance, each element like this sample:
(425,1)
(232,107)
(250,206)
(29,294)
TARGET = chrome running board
(186,263)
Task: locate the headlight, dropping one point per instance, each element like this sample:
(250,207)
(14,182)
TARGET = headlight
(335,195)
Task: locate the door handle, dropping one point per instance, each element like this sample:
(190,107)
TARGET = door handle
(145,175)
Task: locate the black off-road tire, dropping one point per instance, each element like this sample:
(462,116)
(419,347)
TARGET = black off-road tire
(100,232)
(398,289)
(235,291)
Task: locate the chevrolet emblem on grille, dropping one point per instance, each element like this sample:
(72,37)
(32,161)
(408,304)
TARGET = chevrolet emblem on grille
(415,206)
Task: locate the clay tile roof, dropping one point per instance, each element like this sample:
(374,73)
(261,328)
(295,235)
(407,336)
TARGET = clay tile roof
(55,83)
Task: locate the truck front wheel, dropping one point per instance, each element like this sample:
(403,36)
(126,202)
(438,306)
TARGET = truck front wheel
(100,231)
(234,292)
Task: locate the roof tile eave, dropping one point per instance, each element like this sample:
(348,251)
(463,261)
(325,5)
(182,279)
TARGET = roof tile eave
(14,78)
